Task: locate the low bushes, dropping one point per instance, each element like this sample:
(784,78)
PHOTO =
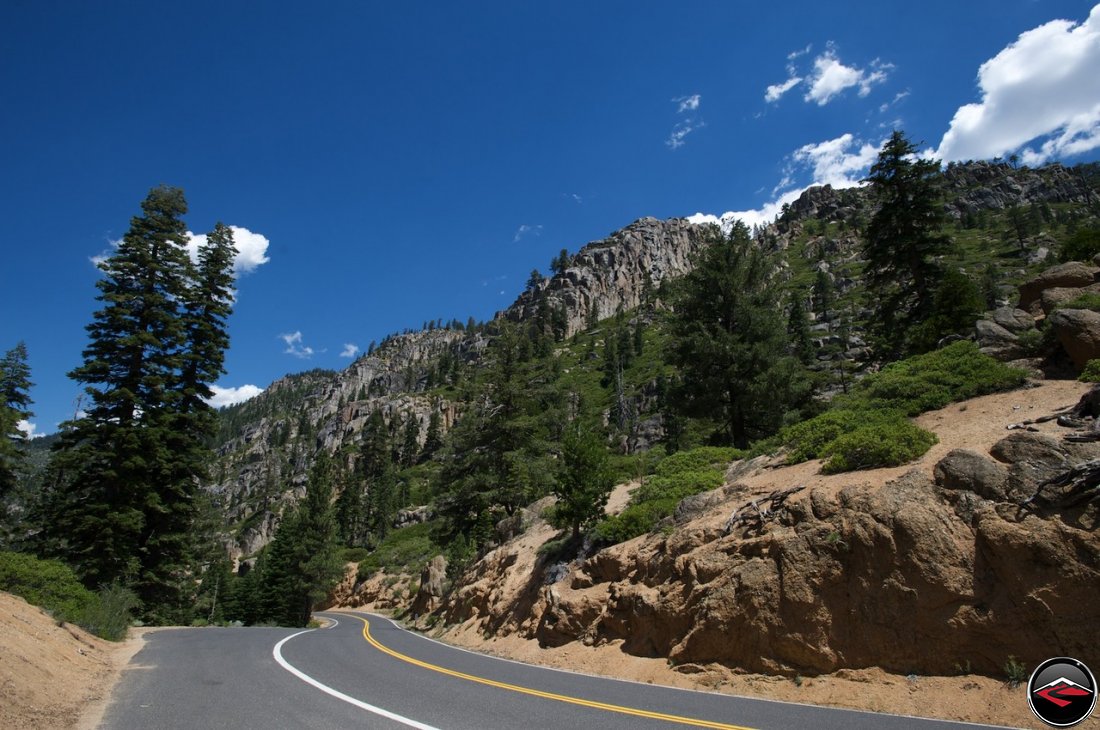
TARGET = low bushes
(869,427)
(890,442)
(405,550)
(52,585)
(677,476)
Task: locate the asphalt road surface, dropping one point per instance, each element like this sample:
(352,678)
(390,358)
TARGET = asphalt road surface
(366,672)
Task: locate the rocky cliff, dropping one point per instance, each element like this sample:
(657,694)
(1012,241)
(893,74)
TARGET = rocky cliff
(931,571)
(614,274)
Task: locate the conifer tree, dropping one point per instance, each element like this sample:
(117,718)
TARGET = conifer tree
(301,566)
(730,343)
(798,330)
(584,483)
(125,475)
(903,240)
(15,400)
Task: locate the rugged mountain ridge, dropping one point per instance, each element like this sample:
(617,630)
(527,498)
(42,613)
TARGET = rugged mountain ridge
(268,443)
(615,273)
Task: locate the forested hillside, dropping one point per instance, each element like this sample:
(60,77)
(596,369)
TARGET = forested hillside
(664,337)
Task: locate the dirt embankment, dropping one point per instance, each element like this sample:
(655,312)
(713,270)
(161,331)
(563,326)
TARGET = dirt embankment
(899,590)
(54,677)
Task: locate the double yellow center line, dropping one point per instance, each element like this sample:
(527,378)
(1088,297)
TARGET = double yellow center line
(545,695)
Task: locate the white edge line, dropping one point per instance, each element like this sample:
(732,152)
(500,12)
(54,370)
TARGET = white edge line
(419,635)
(278,654)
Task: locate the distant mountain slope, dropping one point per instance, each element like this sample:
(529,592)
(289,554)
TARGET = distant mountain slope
(267,444)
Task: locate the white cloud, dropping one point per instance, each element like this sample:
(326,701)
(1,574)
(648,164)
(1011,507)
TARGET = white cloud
(688,103)
(231,396)
(526,230)
(838,162)
(350,350)
(29,429)
(795,54)
(841,162)
(1046,84)
(776,91)
(680,132)
(830,77)
(295,347)
(251,249)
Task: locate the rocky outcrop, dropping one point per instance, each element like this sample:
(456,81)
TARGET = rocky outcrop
(1078,330)
(1072,275)
(431,587)
(921,576)
(978,186)
(615,273)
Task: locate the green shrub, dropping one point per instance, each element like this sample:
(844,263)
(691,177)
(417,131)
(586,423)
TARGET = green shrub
(933,380)
(52,585)
(677,476)
(703,457)
(808,439)
(49,584)
(353,554)
(1091,372)
(402,551)
(677,486)
(889,442)
(636,519)
(1081,246)
(111,613)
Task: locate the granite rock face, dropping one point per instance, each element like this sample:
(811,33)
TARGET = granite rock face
(616,272)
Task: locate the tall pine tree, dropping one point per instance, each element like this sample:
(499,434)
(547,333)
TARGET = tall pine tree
(15,400)
(902,243)
(730,343)
(126,473)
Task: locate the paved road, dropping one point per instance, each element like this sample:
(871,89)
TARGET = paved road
(366,672)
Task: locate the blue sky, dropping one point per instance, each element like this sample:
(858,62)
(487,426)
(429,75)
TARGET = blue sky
(387,164)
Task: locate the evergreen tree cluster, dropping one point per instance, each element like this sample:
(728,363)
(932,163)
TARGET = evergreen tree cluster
(125,477)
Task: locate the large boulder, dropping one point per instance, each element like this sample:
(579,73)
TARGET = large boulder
(1030,447)
(1078,330)
(431,587)
(997,341)
(1059,296)
(963,469)
(1074,274)
(1016,321)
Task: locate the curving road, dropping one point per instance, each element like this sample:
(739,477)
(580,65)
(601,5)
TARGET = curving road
(366,672)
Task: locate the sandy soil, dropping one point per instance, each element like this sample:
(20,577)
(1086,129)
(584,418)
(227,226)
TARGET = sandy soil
(976,424)
(52,676)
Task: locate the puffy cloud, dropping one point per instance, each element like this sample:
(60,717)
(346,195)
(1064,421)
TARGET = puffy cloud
(29,429)
(295,347)
(1045,84)
(350,350)
(838,162)
(251,249)
(231,396)
(841,162)
(830,77)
